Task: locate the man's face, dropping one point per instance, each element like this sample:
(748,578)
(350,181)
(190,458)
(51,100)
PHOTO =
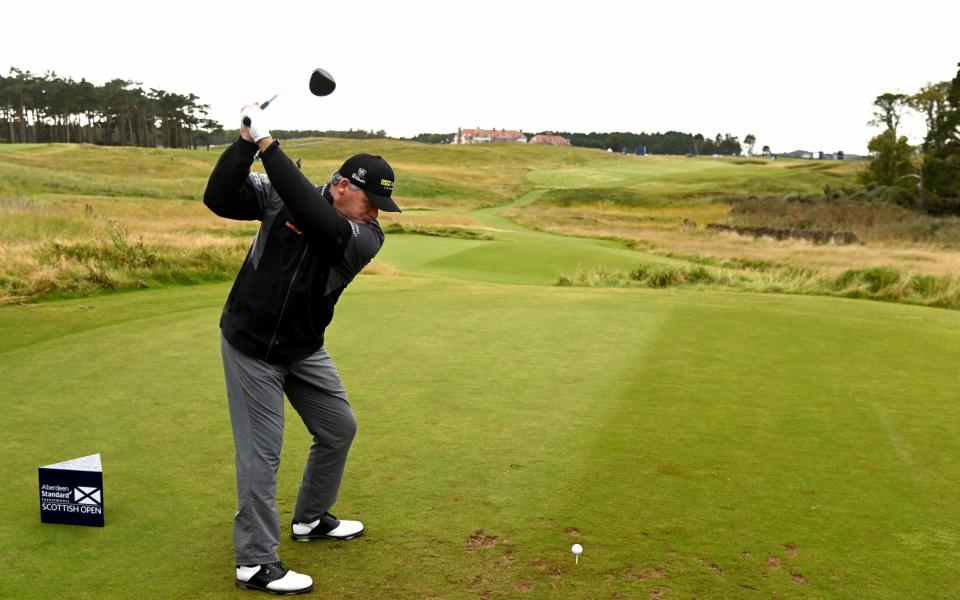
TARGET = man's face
(352,203)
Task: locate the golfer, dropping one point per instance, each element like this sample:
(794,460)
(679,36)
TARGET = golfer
(311,243)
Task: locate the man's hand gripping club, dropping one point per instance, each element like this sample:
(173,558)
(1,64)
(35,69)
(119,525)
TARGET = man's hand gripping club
(254,127)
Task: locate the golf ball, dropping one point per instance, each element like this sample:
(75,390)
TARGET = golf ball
(576,549)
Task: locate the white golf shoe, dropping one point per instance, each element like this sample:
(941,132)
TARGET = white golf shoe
(327,527)
(274,578)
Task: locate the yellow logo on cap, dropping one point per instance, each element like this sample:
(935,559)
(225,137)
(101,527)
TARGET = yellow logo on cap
(386,183)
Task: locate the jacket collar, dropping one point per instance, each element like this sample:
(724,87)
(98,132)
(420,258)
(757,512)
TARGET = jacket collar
(326,193)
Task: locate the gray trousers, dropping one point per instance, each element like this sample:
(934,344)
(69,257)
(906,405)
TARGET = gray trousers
(255,392)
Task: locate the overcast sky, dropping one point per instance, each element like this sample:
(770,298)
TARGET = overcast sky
(798,75)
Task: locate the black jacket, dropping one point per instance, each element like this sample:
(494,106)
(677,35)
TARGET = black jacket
(303,257)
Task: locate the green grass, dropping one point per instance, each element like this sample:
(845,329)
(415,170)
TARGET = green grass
(90,170)
(697,443)
(59,205)
(691,438)
(636,180)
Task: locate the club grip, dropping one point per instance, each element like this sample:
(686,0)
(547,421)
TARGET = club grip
(246,120)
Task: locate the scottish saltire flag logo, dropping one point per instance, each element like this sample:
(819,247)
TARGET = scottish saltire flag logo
(87,495)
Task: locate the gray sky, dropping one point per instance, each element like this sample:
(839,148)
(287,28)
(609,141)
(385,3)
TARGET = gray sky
(796,75)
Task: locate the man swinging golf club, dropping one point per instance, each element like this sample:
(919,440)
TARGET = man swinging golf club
(311,243)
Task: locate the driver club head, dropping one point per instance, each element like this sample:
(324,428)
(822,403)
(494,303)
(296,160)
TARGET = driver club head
(322,83)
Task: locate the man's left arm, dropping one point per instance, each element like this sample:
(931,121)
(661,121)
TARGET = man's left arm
(314,214)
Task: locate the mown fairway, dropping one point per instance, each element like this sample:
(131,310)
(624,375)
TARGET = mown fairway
(698,444)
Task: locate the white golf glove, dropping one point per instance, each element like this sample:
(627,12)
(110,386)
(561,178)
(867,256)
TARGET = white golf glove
(258,122)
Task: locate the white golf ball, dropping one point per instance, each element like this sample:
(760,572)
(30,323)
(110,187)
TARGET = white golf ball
(576,549)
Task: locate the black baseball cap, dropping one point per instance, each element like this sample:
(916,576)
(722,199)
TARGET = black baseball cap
(374,176)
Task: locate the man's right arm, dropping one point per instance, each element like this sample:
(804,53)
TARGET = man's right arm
(230,191)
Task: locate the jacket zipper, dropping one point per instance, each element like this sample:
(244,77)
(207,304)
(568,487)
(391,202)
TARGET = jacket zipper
(283,307)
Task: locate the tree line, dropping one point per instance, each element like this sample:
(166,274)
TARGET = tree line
(49,108)
(228,136)
(926,176)
(671,142)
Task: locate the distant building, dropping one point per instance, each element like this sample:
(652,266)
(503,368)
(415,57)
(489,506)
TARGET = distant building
(820,155)
(486,136)
(550,139)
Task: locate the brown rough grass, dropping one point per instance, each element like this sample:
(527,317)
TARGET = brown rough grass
(661,231)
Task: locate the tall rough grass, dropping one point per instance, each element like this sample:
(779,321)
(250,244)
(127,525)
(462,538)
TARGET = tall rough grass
(112,260)
(874,283)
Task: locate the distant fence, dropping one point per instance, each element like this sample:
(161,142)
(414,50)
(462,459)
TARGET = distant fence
(817,236)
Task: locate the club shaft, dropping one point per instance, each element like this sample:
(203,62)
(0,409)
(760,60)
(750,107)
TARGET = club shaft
(267,103)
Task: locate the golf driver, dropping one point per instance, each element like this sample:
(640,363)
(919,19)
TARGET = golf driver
(321,84)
